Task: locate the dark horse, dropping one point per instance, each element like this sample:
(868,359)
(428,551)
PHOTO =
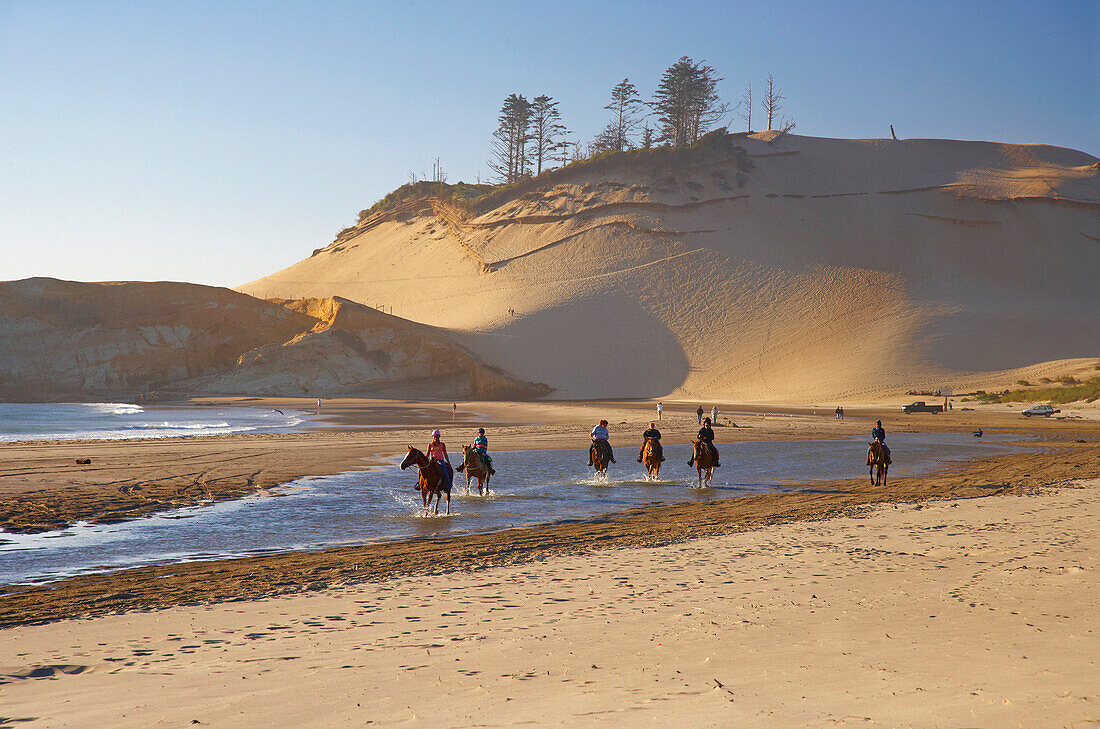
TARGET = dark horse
(704,462)
(877,456)
(432,481)
(600,456)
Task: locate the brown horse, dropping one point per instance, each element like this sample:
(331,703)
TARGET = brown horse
(651,457)
(704,462)
(475,467)
(432,482)
(877,457)
(600,456)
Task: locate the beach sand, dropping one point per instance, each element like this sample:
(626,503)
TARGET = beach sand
(971,612)
(961,598)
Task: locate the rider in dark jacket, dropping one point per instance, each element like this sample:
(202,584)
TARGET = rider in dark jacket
(706,435)
(655,434)
(879,433)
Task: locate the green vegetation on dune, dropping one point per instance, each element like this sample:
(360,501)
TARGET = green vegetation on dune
(1069,390)
(462,192)
(476,199)
(652,160)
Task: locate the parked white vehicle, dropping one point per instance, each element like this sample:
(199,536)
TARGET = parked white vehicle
(1045,410)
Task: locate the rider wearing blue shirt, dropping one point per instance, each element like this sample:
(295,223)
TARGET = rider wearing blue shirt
(481,447)
(600,438)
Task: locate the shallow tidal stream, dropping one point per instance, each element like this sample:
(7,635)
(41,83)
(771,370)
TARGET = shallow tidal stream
(531,487)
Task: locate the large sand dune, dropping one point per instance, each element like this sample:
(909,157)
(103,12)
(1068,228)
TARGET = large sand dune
(759,268)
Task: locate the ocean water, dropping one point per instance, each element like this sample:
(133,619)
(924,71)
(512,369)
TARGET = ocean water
(531,487)
(116,420)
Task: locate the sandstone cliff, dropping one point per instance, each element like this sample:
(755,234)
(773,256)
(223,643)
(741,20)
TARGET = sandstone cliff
(61,339)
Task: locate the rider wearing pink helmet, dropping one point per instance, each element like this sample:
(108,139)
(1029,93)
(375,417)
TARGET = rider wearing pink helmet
(437,451)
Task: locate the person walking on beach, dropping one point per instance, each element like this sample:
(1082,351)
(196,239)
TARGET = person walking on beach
(714,415)
(660,409)
(437,451)
(699,414)
(836,413)
(879,433)
(706,435)
(600,437)
(655,434)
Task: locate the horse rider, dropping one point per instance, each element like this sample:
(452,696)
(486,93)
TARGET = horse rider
(879,433)
(706,435)
(599,440)
(656,436)
(437,451)
(481,447)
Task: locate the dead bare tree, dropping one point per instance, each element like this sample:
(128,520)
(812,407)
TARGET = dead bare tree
(438,175)
(744,108)
(771,101)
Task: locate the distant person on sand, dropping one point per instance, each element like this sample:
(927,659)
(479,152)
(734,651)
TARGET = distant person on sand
(836,413)
(699,414)
(660,409)
(600,437)
(879,433)
(318,403)
(714,415)
(706,435)
(655,434)
(437,451)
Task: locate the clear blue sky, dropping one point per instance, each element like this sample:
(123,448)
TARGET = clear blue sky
(219,141)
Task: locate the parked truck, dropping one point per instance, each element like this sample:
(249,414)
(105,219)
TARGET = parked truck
(920,407)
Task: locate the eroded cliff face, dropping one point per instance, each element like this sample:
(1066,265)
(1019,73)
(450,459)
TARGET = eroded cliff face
(353,349)
(66,339)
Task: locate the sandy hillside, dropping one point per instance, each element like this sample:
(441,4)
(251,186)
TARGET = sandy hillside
(62,338)
(758,268)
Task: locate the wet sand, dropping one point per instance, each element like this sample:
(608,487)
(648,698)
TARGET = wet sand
(222,580)
(43,488)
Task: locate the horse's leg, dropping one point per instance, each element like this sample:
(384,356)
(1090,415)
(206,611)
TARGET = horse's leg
(871,473)
(885,470)
(468,484)
(448,504)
